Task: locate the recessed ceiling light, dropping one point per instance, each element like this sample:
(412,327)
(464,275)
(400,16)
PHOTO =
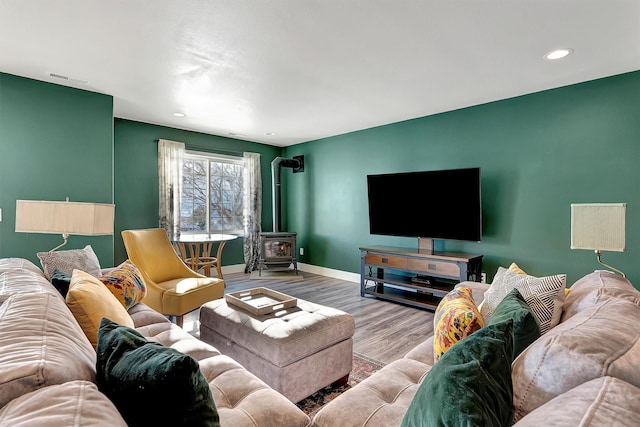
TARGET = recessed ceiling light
(270,133)
(557,54)
(177,114)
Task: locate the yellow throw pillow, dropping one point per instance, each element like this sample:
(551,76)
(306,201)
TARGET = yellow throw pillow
(89,301)
(456,317)
(126,283)
(514,267)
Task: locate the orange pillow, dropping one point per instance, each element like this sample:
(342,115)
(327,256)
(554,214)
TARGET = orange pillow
(89,301)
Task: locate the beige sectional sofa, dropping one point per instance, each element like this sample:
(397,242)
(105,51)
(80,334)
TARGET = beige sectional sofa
(48,366)
(583,372)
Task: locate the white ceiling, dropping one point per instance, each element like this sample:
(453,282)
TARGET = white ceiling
(282,72)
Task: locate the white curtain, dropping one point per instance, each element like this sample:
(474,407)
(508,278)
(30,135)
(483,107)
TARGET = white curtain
(170,162)
(252,210)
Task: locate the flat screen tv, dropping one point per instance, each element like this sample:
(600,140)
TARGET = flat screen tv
(439,204)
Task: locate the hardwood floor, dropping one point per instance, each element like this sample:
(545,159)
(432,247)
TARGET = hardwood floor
(385,331)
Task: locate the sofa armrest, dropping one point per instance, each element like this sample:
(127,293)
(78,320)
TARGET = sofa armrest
(477,289)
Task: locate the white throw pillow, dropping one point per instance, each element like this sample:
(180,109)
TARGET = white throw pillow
(545,295)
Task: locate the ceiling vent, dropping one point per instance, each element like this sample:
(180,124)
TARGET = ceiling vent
(70,79)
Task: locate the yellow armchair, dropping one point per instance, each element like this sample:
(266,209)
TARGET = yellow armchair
(173,289)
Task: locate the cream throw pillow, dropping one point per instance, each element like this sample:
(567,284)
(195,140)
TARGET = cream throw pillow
(89,300)
(513,267)
(545,295)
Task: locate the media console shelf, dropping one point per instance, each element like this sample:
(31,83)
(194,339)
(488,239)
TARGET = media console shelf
(416,277)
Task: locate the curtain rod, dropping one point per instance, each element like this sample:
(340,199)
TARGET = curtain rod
(209,149)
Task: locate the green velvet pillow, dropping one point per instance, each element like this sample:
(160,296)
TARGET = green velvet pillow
(470,385)
(526,327)
(61,280)
(149,383)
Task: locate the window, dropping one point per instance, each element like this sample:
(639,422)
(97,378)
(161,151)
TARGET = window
(212,194)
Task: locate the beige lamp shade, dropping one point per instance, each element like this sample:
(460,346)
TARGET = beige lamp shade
(598,226)
(79,218)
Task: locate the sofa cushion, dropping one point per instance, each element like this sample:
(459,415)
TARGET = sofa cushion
(89,301)
(545,295)
(381,399)
(40,344)
(156,328)
(126,284)
(143,315)
(526,328)
(74,403)
(21,280)
(12,264)
(470,384)
(600,340)
(242,399)
(604,401)
(456,317)
(138,375)
(67,261)
(595,288)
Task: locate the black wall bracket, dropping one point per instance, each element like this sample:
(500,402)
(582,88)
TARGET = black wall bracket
(300,166)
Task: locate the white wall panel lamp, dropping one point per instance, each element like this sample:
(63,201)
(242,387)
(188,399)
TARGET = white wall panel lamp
(599,227)
(66,218)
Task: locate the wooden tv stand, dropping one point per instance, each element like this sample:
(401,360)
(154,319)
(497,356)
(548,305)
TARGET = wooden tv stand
(416,277)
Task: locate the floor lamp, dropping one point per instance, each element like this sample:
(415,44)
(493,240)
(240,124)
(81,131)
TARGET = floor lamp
(66,218)
(599,227)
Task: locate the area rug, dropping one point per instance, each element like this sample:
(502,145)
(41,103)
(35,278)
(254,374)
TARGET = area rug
(363,367)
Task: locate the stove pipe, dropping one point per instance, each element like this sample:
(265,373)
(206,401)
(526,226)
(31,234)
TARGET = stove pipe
(297,164)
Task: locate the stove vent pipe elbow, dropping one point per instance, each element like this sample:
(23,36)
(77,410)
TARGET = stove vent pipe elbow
(297,164)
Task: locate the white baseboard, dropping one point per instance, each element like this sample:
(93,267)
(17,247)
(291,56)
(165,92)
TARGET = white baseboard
(323,271)
(329,272)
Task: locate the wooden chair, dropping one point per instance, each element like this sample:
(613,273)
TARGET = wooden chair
(173,289)
(197,255)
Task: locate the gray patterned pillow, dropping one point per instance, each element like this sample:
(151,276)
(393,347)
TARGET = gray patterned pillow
(545,295)
(66,261)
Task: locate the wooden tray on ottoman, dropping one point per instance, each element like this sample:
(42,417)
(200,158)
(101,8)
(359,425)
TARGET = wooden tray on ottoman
(260,301)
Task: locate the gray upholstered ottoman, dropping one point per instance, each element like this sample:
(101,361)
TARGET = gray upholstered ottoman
(297,351)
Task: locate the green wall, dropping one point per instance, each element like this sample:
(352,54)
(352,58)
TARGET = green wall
(136,177)
(55,142)
(538,153)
